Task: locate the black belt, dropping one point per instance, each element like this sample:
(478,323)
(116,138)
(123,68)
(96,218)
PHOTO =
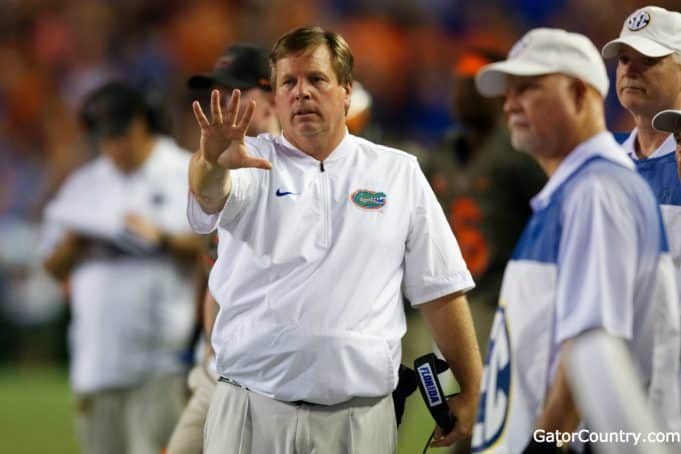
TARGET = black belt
(295,402)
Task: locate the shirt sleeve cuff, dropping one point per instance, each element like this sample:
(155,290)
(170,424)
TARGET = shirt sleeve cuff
(436,288)
(199,220)
(202,222)
(238,197)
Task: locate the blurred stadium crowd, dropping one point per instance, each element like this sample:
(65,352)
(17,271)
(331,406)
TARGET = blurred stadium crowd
(55,51)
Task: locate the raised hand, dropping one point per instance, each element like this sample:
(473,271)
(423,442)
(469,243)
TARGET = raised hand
(222,138)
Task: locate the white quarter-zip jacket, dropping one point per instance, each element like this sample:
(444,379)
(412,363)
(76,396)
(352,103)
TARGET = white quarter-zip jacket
(314,261)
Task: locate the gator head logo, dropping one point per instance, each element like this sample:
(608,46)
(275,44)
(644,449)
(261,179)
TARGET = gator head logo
(369,200)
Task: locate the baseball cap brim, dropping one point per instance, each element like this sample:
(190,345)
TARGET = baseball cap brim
(640,44)
(668,121)
(206,81)
(491,79)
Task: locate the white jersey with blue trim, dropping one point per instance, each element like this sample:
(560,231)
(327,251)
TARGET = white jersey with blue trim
(661,173)
(593,256)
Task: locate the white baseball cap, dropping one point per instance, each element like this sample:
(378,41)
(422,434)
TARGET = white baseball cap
(668,121)
(651,31)
(546,51)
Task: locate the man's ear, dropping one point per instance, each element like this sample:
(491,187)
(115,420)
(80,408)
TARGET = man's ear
(579,89)
(348,94)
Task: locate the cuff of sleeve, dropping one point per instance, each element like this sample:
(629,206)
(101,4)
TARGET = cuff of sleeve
(572,330)
(202,222)
(52,234)
(238,197)
(433,288)
(199,220)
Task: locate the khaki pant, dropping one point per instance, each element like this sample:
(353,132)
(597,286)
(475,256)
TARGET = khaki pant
(187,437)
(132,420)
(243,422)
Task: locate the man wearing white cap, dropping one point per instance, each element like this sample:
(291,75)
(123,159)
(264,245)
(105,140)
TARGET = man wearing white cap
(592,257)
(648,81)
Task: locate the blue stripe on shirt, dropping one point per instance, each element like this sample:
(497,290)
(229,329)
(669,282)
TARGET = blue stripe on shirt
(662,176)
(540,240)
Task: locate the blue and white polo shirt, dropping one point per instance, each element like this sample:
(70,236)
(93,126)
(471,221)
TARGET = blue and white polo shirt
(594,255)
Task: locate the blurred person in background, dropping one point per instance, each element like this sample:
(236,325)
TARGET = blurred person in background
(244,67)
(593,256)
(324,226)
(116,234)
(359,113)
(648,80)
(483,185)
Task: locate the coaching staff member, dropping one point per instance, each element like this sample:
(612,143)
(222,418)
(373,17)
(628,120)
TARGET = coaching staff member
(593,256)
(329,232)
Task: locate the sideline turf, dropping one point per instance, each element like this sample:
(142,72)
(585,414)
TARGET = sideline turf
(35,411)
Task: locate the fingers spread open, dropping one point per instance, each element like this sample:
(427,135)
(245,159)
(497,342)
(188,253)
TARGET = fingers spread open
(215,109)
(232,108)
(246,116)
(199,115)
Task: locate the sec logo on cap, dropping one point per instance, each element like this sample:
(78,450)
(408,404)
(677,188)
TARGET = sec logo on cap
(638,20)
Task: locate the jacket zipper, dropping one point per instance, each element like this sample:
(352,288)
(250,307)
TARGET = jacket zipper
(326,207)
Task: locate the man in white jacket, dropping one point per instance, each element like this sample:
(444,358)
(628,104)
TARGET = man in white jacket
(328,232)
(117,235)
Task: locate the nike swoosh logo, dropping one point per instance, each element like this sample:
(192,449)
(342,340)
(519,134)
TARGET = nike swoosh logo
(281,193)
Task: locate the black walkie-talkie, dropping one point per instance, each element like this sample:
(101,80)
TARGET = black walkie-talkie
(427,368)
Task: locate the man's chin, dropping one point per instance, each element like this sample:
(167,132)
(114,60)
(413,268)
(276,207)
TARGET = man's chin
(521,144)
(306,130)
(633,102)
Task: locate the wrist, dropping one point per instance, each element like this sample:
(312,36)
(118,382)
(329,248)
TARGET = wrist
(209,182)
(208,166)
(469,394)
